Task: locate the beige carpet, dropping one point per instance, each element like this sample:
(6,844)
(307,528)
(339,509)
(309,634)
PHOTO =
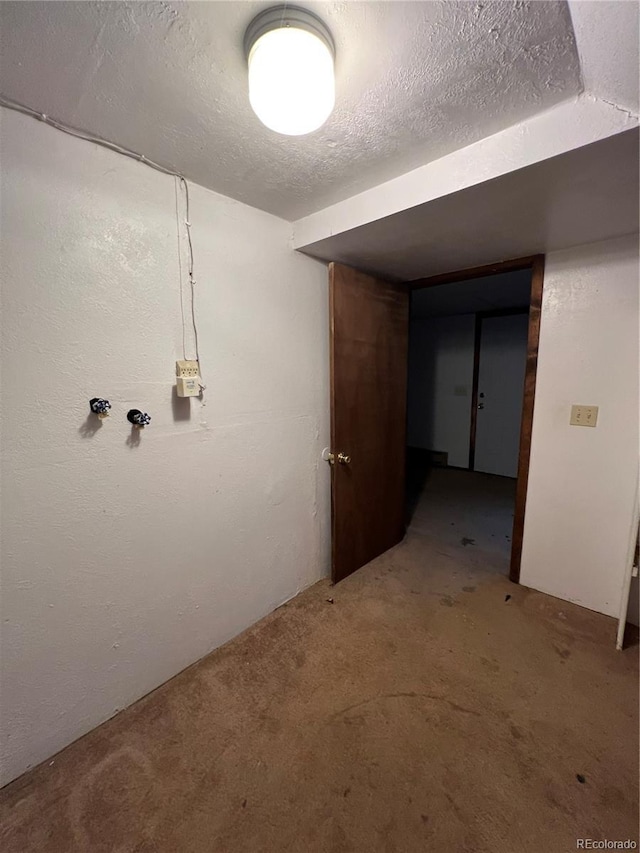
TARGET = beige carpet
(419,711)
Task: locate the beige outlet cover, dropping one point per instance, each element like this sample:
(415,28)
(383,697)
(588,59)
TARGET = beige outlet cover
(584,416)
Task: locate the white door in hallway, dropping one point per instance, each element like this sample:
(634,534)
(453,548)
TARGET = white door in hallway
(502,363)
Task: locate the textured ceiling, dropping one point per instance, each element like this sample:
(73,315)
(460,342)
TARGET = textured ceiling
(580,196)
(415,80)
(504,290)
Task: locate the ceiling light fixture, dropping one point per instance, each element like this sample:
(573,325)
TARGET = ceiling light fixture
(290,54)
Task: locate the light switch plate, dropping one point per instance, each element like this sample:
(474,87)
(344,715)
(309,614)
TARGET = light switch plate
(584,416)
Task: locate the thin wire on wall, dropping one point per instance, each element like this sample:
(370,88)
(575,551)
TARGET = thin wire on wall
(184,328)
(83,134)
(192,281)
(140,158)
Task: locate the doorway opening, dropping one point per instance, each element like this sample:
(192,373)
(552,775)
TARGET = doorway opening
(472,358)
(369,331)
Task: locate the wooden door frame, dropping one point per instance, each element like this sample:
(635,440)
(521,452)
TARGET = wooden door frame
(536,264)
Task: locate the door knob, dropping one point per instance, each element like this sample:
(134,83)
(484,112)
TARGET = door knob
(481,405)
(331,458)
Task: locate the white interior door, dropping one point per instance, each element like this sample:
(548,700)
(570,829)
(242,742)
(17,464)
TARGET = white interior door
(503,359)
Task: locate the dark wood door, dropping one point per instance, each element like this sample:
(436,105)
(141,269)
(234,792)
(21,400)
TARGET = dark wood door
(369,335)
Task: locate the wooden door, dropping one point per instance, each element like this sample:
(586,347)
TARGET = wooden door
(369,334)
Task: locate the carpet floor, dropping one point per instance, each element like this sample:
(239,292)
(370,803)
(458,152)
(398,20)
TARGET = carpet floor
(464,507)
(423,704)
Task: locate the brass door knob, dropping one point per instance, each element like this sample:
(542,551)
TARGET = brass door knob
(332,458)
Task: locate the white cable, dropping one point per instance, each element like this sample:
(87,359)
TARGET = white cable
(83,134)
(178,234)
(192,280)
(133,155)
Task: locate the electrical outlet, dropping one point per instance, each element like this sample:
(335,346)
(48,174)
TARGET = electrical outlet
(584,416)
(187,368)
(188,380)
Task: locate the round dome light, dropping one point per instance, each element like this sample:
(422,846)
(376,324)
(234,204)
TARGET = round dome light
(290,54)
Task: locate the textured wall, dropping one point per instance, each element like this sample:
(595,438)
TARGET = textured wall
(123,562)
(582,480)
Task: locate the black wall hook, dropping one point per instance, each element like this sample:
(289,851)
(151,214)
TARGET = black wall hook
(100,407)
(138,418)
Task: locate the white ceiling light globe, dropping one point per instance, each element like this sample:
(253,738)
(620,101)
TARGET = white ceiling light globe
(291,74)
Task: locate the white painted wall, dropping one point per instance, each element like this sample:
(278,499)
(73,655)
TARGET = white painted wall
(633,610)
(440,385)
(122,563)
(608,74)
(582,480)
